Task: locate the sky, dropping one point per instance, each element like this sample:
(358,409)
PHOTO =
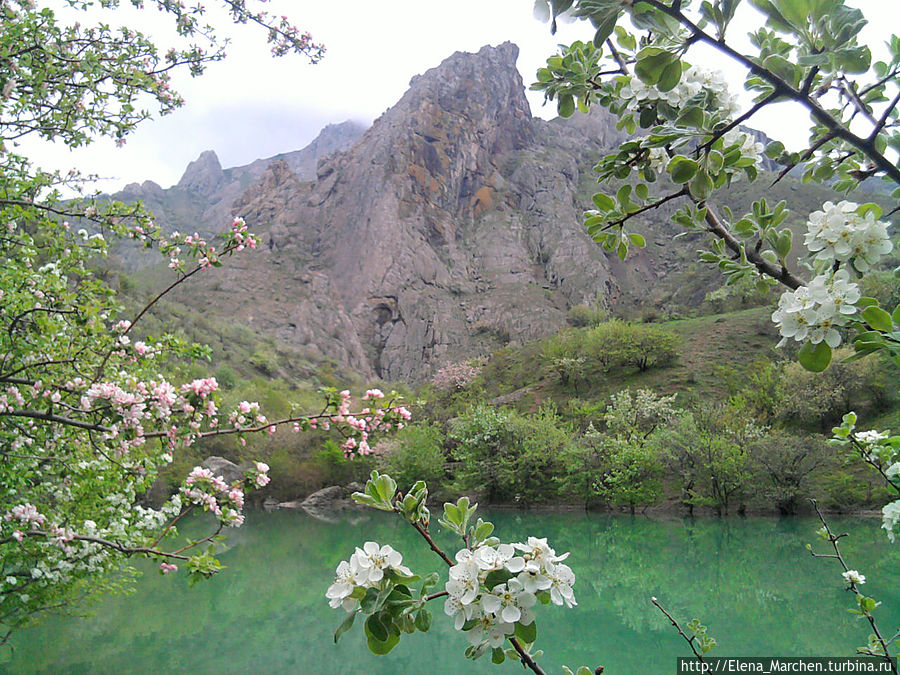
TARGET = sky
(253,105)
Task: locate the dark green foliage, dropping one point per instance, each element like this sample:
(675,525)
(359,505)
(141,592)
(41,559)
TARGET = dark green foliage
(415,453)
(583,316)
(511,457)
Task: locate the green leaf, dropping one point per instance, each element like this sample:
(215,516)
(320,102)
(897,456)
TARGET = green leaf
(423,620)
(381,648)
(430,582)
(783,243)
(682,169)
(815,358)
(497,656)
(497,577)
(604,202)
(605,28)
(774,149)
(527,634)
(375,629)
(346,625)
(867,207)
(877,318)
(566,105)
(367,603)
(642,191)
(670,76)
(652,63)
(701,187)
(637,240)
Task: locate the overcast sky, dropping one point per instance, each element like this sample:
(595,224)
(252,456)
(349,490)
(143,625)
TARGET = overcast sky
(252,105)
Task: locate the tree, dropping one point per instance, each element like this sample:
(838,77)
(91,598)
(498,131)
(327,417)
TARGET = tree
(86,417)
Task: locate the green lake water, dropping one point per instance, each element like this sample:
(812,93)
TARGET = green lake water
(750,580)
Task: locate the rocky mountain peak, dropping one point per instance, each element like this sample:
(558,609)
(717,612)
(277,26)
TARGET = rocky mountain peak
(451,225)
(203,175)
(483,89)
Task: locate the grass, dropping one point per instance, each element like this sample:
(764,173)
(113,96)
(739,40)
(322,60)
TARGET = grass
(735,339)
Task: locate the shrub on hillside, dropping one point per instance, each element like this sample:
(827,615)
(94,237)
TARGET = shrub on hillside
(455,376)
(509,456)
(415,453)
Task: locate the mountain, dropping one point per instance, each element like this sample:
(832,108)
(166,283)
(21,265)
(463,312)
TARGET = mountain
(202,200)
(449,228)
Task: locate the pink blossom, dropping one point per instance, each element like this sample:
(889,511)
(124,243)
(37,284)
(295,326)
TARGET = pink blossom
(165,568)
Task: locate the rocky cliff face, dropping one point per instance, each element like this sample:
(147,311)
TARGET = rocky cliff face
(451,227)
(202,200)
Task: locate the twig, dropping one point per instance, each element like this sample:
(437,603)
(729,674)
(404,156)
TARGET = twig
(857,102)
(617,56)
(777,272)
(881,122)
(833,539)
(434,547)
(740,120)
(806,155)
(689,640)
(527,659)
(648,207)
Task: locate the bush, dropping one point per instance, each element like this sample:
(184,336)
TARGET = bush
(583,316)
(415,453)
(455,376)
(509,456)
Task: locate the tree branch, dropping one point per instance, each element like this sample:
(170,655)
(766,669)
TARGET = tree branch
(740,120)
(782,88)
(648,207)
(59,419)
(527,660)
(833,539)
(689,640)
(777,272)
(434,547)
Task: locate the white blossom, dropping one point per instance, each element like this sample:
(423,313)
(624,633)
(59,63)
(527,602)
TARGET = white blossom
(693,81)
(839,232)
(890,516)
(854,577)
(365,569)
(815,312)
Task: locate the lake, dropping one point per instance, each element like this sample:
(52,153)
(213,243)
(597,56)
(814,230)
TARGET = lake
(751,581)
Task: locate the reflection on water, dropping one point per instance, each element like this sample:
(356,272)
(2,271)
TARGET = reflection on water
(749,580)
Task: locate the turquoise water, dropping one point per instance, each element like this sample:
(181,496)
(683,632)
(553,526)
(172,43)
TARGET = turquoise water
(750,581)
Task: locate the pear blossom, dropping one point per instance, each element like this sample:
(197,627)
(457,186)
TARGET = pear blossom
(372,561)
(491,631)
(839,233)
(890,516)
(510,601)
(694,81)
(339,592)
(365,569)
(816,311)
(854,577)
(561,580)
